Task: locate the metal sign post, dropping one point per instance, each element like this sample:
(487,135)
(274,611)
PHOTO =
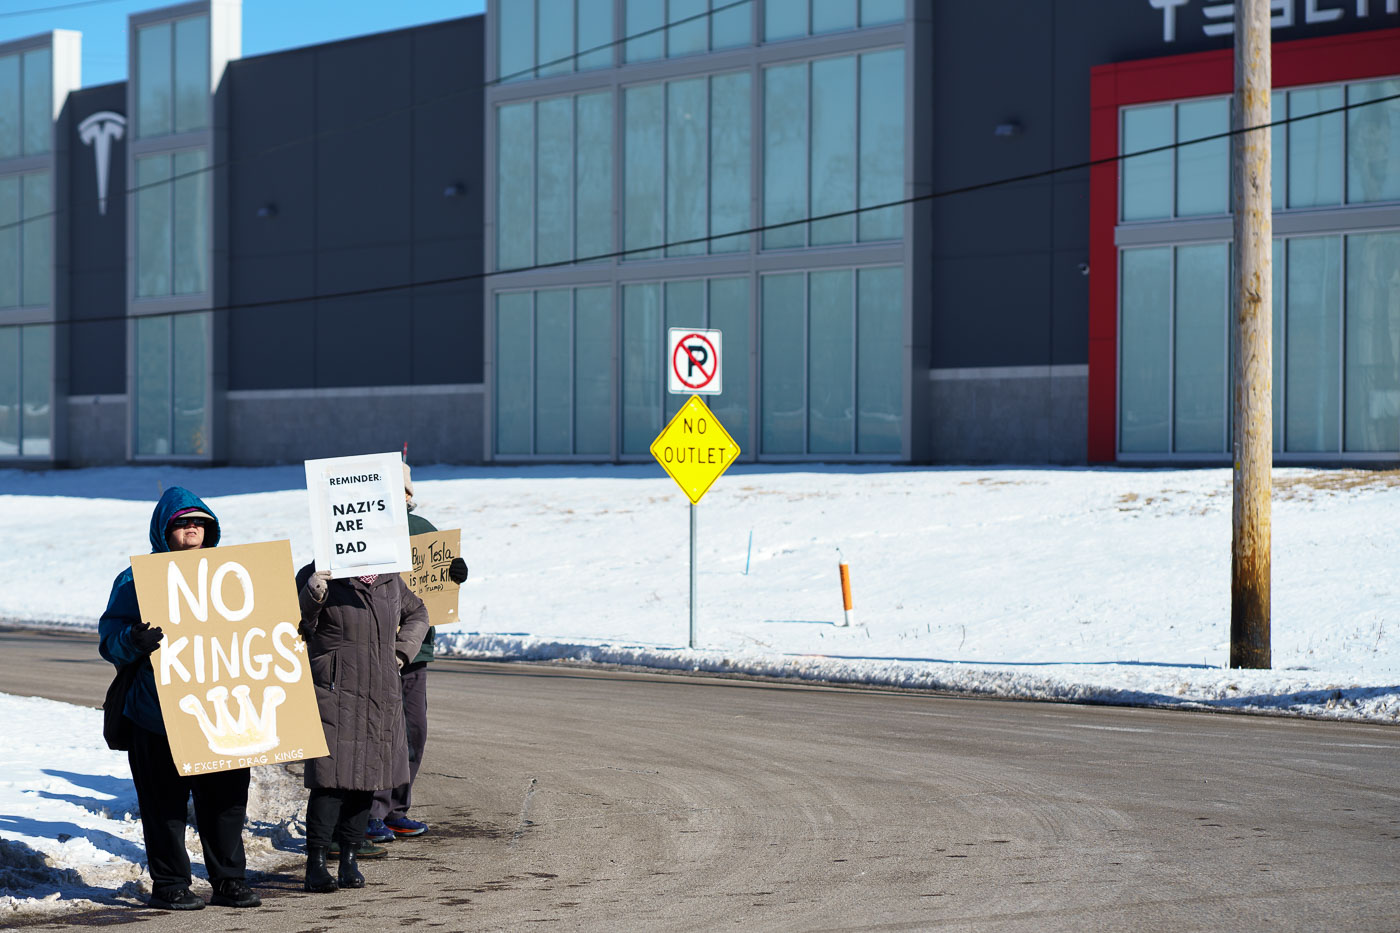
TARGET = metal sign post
(694,449)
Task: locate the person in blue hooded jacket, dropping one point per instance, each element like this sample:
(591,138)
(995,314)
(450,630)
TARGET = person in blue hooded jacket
(180,522)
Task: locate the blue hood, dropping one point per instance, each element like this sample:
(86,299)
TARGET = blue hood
(173,500)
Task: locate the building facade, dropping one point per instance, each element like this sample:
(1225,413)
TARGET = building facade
(923,228)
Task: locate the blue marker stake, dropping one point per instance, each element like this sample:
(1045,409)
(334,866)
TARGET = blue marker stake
(749,554)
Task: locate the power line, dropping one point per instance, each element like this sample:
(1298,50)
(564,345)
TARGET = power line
(963,190)
(408,108)
(749,231)
(58,6)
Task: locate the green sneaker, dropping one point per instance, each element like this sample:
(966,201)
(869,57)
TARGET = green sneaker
(367,849)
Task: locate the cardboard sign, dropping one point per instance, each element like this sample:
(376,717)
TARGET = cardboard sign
(231,672)
(359,522)
(432,555)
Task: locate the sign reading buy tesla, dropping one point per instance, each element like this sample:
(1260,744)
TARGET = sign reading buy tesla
(232,672)
(693,361)
(694,448)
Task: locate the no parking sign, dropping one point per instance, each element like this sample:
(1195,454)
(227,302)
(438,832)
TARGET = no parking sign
(694,361)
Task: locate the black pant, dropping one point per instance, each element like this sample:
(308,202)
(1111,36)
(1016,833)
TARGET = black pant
(220,810)
(395,801)
(336,814)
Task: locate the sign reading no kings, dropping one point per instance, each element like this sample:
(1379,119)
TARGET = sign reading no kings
(359,523)
(231,673)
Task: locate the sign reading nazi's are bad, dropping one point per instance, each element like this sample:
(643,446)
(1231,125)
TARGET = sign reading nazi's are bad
(359,522)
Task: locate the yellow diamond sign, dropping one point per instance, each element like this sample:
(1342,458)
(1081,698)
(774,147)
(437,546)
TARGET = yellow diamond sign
(694,448)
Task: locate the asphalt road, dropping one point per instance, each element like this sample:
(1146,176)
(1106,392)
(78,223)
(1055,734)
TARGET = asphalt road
(582,800)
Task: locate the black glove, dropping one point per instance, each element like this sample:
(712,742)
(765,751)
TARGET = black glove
(146,640)
(457,571)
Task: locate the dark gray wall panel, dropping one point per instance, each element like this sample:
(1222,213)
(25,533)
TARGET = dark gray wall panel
(97,271)
(364,341)
(446,342)
(991,311)
(282,339)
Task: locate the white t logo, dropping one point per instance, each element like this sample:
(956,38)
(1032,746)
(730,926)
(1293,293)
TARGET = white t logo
(98,131)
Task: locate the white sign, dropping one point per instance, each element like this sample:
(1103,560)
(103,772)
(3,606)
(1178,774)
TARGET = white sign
(359,522)
(1219,18)
(693,361)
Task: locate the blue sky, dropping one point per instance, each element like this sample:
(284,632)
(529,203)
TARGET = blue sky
(268,25)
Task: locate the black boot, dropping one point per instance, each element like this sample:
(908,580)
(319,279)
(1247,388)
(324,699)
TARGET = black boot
(318,878)
(349,876)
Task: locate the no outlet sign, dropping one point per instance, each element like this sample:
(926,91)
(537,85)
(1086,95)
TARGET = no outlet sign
(693,361)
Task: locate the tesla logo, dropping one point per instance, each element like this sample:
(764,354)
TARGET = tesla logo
(98,131)
(1220,16)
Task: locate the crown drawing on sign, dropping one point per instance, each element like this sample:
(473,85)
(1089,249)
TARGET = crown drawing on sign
(248,734)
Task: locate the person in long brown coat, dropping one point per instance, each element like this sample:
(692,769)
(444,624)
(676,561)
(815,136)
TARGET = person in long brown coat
(359,632)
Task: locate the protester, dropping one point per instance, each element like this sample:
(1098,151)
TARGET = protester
(359,632)
(389,814)
(180,522)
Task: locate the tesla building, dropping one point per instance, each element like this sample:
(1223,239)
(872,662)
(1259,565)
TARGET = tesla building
(920,226)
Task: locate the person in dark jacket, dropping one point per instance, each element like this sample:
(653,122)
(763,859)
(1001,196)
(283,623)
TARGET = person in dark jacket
(180,522)
(389,813)
(359,632)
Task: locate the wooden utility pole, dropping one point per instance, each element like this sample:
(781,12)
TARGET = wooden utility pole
(1250,550)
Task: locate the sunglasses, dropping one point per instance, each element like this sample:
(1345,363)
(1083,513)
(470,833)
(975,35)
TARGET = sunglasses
(183,522)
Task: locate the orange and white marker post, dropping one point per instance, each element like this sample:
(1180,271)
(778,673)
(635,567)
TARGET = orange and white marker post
(846,593)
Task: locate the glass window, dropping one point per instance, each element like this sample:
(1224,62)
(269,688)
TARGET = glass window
(514,357)
(831,362)
(784,321)
(153,386)
(1314,148)
(593,342)
(553,375)
(9,391)
(881,143)
(154,110)
(731,27)
(729,314)
(879,364)
(192,77)
(10,97)
(687,134)
(1373,143)
(880,12)
(642,349)
(1144,350)
(644,198)
(36,238)
(784,19)
(832,15)
(1278,151)
(833,165)
(645,20)
(516,43)
(730,159)
(685,307)
(1147,179)
(784,153)
(1313,321)
(10,262)
(38,102)
(191,222)
(1203,169)
(556,36)
(153,235)
(687,38)
(190,370)
(554,183)
(1373,342)
(515,189)
(593,235)
(595,34)
(1199,356)
(1280,304)
(36,393)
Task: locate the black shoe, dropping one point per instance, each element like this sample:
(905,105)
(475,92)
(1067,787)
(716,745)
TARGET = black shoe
(365,850)
(234,893)
(318,878)
(349,875)
(176,898)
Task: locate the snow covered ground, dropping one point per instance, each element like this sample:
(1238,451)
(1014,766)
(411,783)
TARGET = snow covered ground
(1102,585)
